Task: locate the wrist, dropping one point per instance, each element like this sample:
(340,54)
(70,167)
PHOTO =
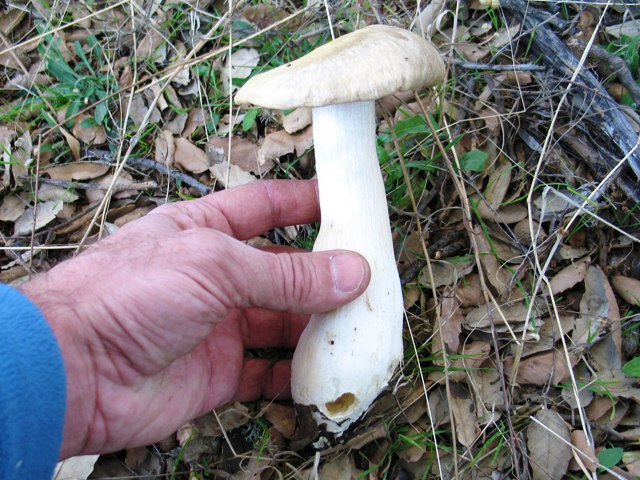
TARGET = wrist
(68,330)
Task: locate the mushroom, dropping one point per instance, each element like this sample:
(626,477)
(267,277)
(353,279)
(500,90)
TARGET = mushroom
(346,357)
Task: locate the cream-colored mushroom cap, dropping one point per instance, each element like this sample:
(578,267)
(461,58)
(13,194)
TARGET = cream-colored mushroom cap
(367,64)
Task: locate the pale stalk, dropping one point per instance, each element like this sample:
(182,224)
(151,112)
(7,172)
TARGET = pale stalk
(346,357)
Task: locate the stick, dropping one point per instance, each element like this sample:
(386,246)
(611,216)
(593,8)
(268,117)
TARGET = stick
(106,156)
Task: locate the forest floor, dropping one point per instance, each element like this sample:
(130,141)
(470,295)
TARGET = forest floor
(512,189)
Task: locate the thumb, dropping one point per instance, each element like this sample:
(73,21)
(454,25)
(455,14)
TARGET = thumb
(303,282)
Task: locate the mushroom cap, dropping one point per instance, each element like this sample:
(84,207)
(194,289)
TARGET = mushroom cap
(367,64)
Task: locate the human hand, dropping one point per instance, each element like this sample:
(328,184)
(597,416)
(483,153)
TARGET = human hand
(154,320)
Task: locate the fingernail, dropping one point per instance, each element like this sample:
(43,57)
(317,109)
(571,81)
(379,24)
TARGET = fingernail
(348,272)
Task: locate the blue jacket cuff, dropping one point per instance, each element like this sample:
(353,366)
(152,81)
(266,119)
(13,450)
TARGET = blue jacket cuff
(32,390)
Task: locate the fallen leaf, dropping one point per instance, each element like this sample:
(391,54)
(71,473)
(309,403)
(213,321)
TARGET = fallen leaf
(549,334)
(340,467)
(629,29)
(190,157)
(90,135)
(445,272)
(280,143)
(631,461)
(584,455)
(628,288)
(141,107)
(152,47)
(569,276)
(428,19)
(463,410)
(11,208)
(484,316)
(508,214)
(45,213)
(76,171)
(231,175)
(522,231)
(498,275)
(487,381)
(244,154)
(469,291)
(74,144)
(282,417)
(76,468)
(540,369)
(54,193)
(592,323)
(498,184)
(165,148)
(239,64)
(130,216)
(548,442)
(450,322)
(297,120)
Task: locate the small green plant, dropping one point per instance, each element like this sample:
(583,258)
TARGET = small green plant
(632,367)
(610,457)
(79,86)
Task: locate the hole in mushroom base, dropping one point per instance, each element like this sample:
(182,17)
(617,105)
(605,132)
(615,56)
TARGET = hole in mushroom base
(340,404)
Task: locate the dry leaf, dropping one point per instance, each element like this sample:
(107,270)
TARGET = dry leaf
(484,316)
(444,272)
(592,322)
(282,417)
(76,171)
(487,381)
(165,148)
(469,291)
(11,208)
(629,29)
(541,369)
(151,47)
(231,175)
(197,118)
(522,231)
(46,212)
(54,193)
(548,441)
(74,144)
(584,455)
(428,19)
(340,467)
(190,157)
(631,460)
(239,65)
(509,214)
(498,184)
(132,215)
(75,468)
(472,52)
(244,154)
(92,135)
(280,143)
(569,276)
(140,106)
(549,334)
(628,288)
(450,323)
(464,414)
(297,120)
(498,276)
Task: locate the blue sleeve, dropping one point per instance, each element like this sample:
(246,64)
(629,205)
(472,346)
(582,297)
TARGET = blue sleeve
(32,390)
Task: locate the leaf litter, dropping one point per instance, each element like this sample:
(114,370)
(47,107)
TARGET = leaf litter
(519,330)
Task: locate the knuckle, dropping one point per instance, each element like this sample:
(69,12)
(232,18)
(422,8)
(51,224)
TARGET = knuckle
(298,279)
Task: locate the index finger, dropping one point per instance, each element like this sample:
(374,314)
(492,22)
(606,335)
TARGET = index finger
(249,210)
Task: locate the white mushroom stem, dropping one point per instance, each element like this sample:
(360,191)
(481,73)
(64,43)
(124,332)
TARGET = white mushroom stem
(346,357)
